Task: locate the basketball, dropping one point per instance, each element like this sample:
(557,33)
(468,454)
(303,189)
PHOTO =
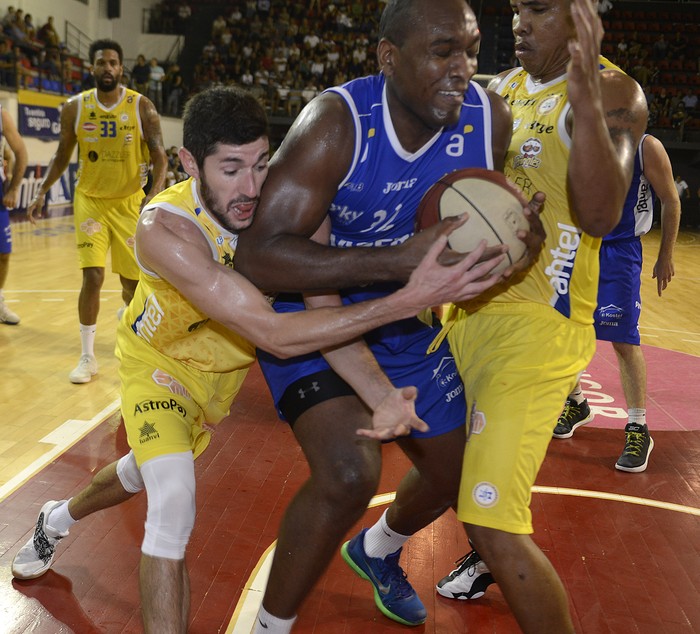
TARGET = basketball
(494,205)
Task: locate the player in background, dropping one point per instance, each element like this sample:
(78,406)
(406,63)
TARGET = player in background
(578,120)
(619,308)
(118,135)
(9,194)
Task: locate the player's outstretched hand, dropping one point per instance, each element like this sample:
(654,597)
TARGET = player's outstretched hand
(533,239)
(433,283)
(395,416)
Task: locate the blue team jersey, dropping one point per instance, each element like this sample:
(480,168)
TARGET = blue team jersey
(377,201)
(638,210)
(376,206)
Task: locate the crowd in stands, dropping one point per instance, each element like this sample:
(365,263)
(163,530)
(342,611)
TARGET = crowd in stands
(287,52)
(661,50)
(35,58)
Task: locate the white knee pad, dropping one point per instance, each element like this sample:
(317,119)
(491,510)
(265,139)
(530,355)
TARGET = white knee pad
(129,474)
(170,488)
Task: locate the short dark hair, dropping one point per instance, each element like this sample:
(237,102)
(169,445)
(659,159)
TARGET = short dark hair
(398,19)
(223,114)
(101,45)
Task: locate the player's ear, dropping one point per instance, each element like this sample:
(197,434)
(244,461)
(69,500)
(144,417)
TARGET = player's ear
(386,52)
(188,162)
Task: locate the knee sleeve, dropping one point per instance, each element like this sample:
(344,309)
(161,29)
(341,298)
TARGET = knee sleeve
(170,487)
(129,474)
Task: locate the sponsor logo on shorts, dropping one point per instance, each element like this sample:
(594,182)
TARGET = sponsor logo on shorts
(610,315)
(163,378)
(90,226)
(147,432)
(447,379)
(86,245)
(477,422)
(167,405)
(485,494)
(130,242)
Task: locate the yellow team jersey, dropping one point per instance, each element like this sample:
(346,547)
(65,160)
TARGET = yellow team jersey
(566,274)
(113,157)
(162,318)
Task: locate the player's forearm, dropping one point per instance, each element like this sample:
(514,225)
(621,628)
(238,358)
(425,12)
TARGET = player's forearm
(160,172)
(57,165)
(670,221)
(294,263)
(597,188)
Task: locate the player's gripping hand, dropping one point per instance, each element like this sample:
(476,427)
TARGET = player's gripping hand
(533,239)
(395,416)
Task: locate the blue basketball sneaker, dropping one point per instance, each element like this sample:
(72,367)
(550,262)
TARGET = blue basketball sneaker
(393,594)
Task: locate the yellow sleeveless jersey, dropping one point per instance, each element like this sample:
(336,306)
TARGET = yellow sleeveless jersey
(113,157)
(162,318)
(566,274)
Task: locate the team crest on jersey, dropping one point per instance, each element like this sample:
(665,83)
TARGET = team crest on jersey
(529,154)
(549,104)
(123,116)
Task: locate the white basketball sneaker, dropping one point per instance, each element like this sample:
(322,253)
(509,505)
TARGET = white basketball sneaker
(85,370)
(36,556)
(6,315)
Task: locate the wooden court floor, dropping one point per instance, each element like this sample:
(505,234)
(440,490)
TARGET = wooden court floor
(626,545)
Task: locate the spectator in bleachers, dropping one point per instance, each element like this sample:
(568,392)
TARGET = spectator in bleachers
(659,48)
(140,75)
(29,27)
(155,84)
(9,18)
(184,16)
(690,100)
(47,34)
(174,90)
(678,45)
(7,64)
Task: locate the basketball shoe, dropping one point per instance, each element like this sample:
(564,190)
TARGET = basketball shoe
(638,446)
(85,370)
(574,415)
(6,315)
(36,556)
(393,594)
(468,580)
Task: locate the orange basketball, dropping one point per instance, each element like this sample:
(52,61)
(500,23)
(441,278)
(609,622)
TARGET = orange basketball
(494,205)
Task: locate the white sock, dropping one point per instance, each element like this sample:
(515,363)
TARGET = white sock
(87,339)
(637,415)
(381,541)
(60,519)
(577,395)
(272,624)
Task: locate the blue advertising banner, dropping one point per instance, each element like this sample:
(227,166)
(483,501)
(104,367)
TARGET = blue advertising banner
(39,114)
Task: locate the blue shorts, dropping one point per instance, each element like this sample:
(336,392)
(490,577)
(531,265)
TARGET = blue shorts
(619,300)
(299,383)
(5,232)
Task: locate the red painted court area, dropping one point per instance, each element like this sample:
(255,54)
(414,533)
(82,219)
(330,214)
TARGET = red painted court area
(630,564)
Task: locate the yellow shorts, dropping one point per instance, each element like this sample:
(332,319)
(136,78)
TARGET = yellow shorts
(518,368)
(165,403)
(101,223)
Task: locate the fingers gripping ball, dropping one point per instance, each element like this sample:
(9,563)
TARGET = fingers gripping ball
(495,208)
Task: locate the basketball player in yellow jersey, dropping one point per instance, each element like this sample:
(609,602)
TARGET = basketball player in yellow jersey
(118,135)
(184,349)
(576,127)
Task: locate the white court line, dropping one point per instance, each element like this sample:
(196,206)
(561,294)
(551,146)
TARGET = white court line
(251,598)
(63,438)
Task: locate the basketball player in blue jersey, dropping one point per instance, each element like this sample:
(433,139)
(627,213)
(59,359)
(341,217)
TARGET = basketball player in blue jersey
(9,194)
(355,165)
(578,120)
(616,318)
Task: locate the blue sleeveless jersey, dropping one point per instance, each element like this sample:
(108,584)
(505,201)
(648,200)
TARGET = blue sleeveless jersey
(638,210)
(377,201)
(376,206)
